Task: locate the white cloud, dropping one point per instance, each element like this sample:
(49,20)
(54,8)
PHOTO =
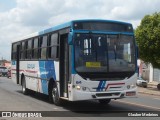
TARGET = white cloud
(29,16)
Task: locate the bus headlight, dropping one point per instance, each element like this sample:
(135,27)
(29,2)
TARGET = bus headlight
(131,86)
(78,87)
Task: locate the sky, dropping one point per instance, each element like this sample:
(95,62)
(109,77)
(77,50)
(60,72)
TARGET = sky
(19,18)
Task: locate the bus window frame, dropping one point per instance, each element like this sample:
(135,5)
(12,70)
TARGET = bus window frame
(28,49)
(35,48)
(50,46)
(41,47)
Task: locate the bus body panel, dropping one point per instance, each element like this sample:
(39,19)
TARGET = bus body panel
(37,74)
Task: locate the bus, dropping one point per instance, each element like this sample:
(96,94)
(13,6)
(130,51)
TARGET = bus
(78,60)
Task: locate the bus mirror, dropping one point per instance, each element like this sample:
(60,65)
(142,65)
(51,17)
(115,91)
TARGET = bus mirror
(70,38)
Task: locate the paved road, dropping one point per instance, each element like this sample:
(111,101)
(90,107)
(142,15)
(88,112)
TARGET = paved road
(12,99)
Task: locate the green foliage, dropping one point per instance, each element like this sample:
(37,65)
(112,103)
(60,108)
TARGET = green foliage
(148,39)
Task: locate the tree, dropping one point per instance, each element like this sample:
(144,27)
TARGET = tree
(148,39)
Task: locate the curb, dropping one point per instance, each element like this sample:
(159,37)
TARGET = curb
(149,93)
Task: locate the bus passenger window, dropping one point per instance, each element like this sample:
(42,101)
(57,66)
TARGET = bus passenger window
(29,49)
(43,53)
(14,50)
(26,47)
(43,47)
(53,46)
(35,48)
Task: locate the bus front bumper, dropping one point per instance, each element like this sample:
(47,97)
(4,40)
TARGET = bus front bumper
(82,95)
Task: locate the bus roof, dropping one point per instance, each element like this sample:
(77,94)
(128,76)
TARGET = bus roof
(100,20)
(65,25)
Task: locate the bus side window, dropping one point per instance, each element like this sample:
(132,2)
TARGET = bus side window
(14,51)
(26,47)
(35,48)
(29,49)
(43,45)
(53,46)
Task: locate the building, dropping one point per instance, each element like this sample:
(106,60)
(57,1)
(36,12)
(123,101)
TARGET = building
(5,63)
(148,72)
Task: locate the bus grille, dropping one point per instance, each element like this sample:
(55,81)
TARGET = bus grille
(107,94)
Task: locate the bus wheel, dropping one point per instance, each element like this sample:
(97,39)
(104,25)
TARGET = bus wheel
(24,89)
(55,96)
(104,101)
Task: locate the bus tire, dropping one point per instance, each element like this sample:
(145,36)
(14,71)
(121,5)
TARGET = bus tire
(55,96)
(25,91)
(104,101)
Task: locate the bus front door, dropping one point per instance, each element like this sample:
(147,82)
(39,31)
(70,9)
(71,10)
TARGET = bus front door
(17,63)
(64,65)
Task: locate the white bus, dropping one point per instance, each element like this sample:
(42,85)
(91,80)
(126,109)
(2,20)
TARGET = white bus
(78,60)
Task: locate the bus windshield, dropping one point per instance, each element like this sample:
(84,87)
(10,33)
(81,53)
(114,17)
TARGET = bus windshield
(96,53)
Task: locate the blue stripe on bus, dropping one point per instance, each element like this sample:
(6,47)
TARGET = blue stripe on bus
(101,20)
(47,71)
(103,32)
(70,24)
(101,85)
